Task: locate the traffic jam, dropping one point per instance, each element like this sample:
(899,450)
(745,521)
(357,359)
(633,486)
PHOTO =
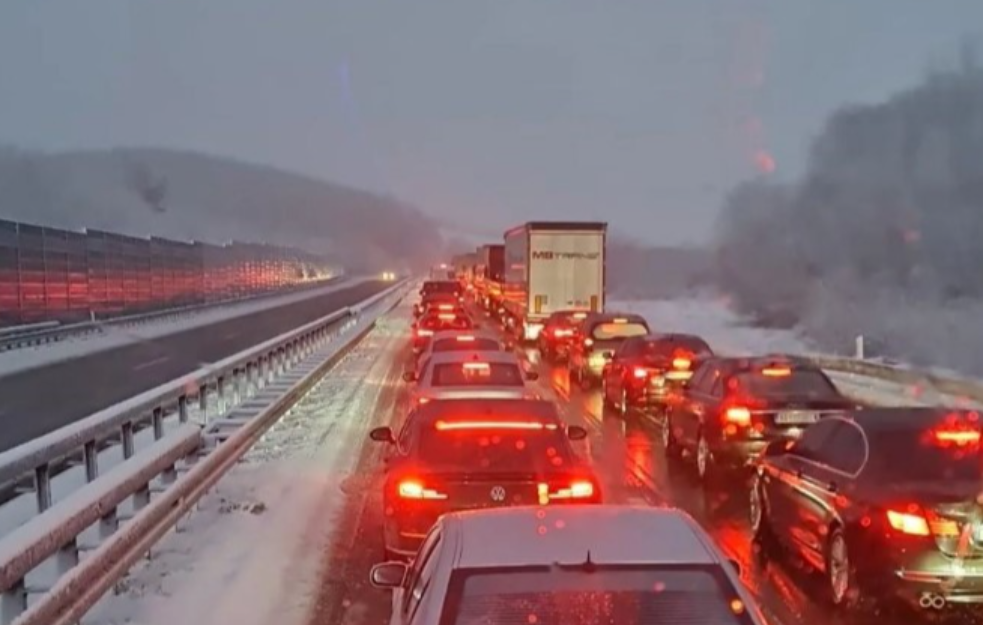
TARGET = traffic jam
(499,508)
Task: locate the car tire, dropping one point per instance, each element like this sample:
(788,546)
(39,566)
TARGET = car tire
(761,532)
(669,443)
(705,468)
(841,584)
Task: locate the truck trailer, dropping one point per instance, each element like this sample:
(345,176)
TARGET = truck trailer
(552,266)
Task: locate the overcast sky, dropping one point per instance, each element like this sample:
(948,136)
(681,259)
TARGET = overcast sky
(486,112)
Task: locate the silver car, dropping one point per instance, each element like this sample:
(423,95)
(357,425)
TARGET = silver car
(461,341)
(572,564)
(472,375)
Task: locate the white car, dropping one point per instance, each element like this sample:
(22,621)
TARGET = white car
(471,375)
(461,341)
(575,565)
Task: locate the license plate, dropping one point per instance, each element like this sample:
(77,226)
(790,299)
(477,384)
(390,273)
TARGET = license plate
(797,417)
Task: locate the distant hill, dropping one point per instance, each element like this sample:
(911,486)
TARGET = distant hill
(186,195)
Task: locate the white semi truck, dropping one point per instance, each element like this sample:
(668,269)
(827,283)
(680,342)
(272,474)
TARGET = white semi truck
(552,266)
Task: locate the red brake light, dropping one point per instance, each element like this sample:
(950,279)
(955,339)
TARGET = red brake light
(641,373)
(908,523)
(588,342)
(424,332)
(476,366)
(959,437)
(580,315)
(738,415)
(776,372)
(620,320)
(561,332)
(444,426)
(414,489)
(447,317)
(465,339)
(578,489)
(445,307)
(681,363)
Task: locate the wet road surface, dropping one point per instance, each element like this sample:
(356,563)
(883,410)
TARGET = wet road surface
(627,453)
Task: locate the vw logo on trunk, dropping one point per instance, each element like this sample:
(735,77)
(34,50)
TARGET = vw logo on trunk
(498,493)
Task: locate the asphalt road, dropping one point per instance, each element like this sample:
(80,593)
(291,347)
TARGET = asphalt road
(627,454)
(38,401)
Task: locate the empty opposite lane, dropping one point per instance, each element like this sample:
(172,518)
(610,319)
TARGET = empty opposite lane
(39,401)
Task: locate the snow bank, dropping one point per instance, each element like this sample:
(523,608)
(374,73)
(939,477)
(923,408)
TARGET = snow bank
(251,554)
(15,361)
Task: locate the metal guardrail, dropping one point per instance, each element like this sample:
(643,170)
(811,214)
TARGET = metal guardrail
(52,332)
(181,466)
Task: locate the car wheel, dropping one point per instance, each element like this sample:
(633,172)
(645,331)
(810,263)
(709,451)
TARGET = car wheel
(761,532)
(840,576)
(669,444)
(704,460)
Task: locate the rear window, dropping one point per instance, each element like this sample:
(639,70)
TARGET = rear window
(916,456)
(478,374)
(436,323)
(626,596)
(669,348)
(440,287)
(796,383)
(609,330)
(492,450)
(455,345)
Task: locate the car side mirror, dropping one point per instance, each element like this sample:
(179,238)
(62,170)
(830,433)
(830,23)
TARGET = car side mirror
(388,575)
(532,376)
(576,433)
(382,435)
(777,447)
(736,565)
(409,376)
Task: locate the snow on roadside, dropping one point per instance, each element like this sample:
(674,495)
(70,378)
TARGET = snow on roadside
(18,360)
(252,553)
(727,333)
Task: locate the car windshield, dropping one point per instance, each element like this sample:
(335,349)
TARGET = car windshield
(495,450)
(797,383)
(903,456)
(460,344)
(610,330)
(619,596)
(477,374)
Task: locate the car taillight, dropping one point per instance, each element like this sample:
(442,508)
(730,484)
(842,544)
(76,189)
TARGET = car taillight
(422,401)
(588,342)
(561,332)
(737,415)
(910,522)
(415,489)
(641,373)
(465,339)
(776,372)
(958,437)
(681,363)
(424,332)
(577,489)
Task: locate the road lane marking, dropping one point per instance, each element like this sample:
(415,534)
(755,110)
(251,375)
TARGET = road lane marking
(151,363)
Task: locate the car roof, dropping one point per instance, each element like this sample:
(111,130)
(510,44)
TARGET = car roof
(493,409)
(670,337)
(607,316)
(739,364)
(607,534)
(442,358)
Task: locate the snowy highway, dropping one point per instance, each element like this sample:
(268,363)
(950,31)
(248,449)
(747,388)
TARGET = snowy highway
(289,536)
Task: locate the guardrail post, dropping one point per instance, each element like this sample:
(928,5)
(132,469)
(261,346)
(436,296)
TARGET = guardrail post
(67,557)
(90,455)
(158,421)
(42,486)
(203,402)
(108,524)
(182,409)
(141,498)
(220,394)
(236,386)
(126,433)
(13,602)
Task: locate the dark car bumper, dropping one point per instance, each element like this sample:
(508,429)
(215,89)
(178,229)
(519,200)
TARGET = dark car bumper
(738,453)
(930,579)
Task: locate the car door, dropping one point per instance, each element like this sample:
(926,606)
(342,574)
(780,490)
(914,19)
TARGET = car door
(822,490)
(614,371)
(785,497)
(688,413)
